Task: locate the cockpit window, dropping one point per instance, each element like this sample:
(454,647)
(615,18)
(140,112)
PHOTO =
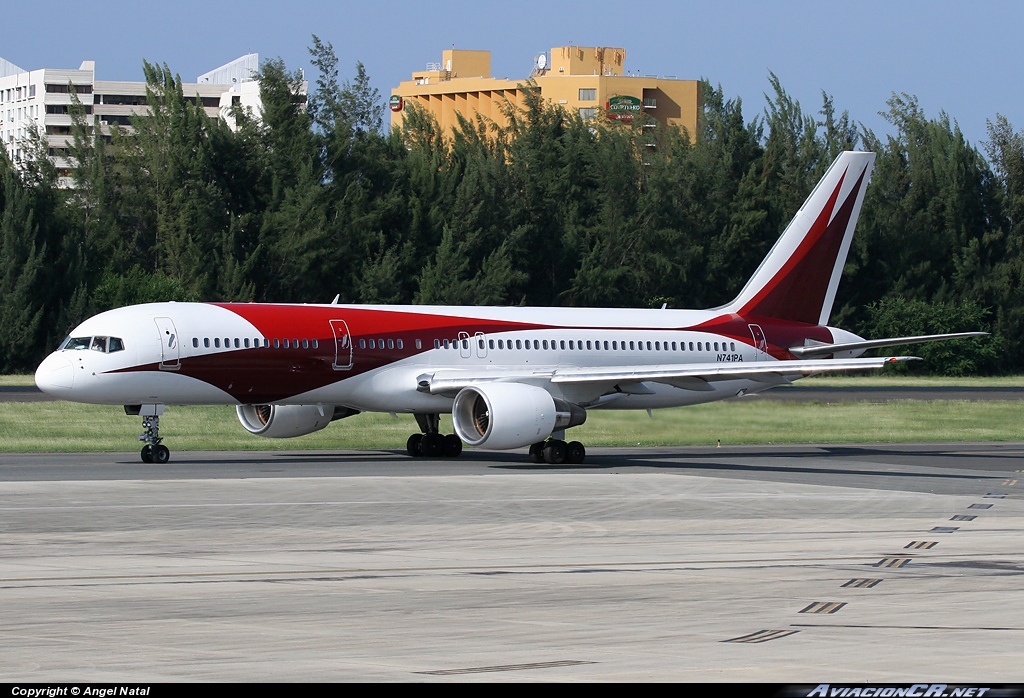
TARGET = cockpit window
(77,343)
(107,345)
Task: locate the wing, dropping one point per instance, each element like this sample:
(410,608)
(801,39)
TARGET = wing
(630,379)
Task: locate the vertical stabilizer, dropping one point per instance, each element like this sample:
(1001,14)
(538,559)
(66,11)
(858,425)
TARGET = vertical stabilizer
(797,281)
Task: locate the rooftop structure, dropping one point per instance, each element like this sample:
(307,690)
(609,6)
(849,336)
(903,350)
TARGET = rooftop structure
(590,81)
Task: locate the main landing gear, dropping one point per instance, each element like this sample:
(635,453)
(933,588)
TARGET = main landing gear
(153,451)
(431,443)
(558,452)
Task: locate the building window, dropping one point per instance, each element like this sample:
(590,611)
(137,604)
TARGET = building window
(588,113)
(588,94)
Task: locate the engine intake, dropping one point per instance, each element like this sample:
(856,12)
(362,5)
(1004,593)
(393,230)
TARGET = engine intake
(286,421)
(510,415)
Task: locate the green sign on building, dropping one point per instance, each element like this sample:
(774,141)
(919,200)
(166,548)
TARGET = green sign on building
(623,108)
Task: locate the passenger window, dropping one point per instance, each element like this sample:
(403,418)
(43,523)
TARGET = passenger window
(480,343)
(732,346)
(195,342)
(691,346)
(446,344)
(400,345)
(206,342)
(562,343)
(716,346)
(437,343)
(519,344)
(391,344)
(237,345)
(490,343)
(246,342)
(588,345)
(216,342)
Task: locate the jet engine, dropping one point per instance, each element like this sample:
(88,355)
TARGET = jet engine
(286,421)
(510,415)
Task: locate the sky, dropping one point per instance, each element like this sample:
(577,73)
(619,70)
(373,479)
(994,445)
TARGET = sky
(957,57)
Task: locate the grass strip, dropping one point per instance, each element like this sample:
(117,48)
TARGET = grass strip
(72,427)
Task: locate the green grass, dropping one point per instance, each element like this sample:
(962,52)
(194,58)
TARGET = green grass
(71,427)
(887,379)
(17,380)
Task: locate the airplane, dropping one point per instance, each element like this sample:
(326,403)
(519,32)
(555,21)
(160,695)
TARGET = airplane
(511,377)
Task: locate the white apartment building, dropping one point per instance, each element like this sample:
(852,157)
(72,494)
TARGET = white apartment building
(42,99)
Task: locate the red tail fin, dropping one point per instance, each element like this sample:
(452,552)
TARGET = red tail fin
(797,281)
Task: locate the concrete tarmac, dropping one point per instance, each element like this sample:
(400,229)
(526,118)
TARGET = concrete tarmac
(793,564)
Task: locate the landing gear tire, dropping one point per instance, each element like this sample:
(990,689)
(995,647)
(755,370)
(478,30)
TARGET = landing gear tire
(155,453)
(452,446)
(554,452)
(537,452)
(432,445)
(575,453)
(412,446)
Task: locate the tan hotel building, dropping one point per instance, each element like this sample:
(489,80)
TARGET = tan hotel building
(586,80)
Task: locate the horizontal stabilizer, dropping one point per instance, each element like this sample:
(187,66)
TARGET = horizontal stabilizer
(818,350)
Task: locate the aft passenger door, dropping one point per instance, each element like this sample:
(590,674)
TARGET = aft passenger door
(760,343)
(342,345)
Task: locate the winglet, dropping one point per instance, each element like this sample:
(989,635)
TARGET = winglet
(797,281)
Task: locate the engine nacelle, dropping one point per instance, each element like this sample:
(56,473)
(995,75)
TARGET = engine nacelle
(286,421)
(510,415)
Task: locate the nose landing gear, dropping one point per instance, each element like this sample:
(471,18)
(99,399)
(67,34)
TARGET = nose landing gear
(153,451)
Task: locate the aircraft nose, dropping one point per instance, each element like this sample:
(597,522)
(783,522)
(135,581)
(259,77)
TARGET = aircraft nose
(55,376)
